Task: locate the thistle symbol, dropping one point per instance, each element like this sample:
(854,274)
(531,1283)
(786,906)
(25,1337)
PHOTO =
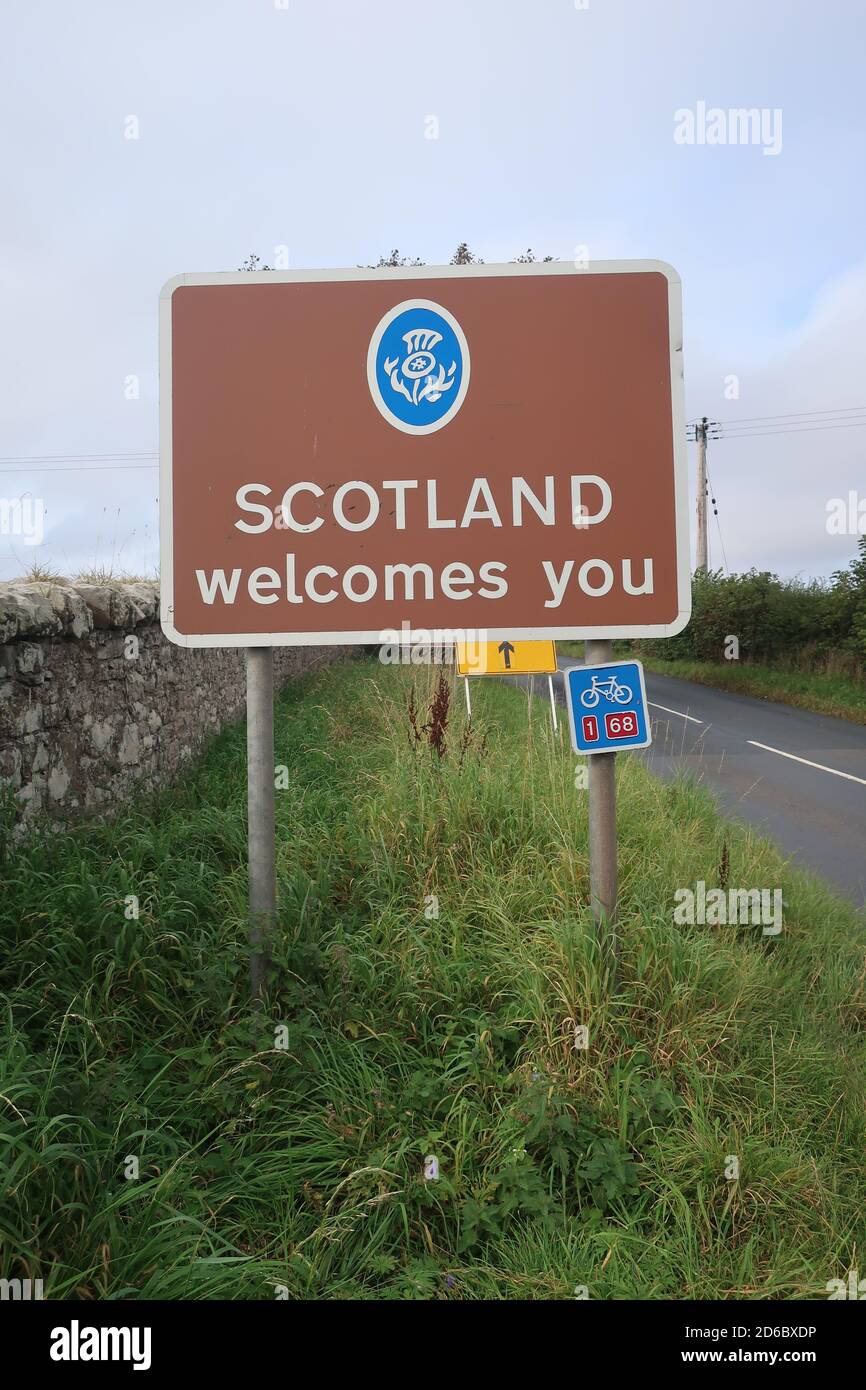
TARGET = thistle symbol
(418,366)
(427,377)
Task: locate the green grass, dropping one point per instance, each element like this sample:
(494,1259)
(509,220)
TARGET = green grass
(833,692)
(824,691)
(408,1035)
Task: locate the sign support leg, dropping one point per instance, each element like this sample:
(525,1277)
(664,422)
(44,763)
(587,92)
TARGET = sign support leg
(260,811)
(552,702)
(602,832)
(468,701)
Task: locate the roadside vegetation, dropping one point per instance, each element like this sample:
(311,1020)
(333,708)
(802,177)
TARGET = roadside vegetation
(800,643)
(434,956)
(98,574)
(826,692)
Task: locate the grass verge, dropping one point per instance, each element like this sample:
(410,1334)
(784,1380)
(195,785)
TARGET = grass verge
(433,958)
(824,692)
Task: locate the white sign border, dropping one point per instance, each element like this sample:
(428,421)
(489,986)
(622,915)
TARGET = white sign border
(396,276)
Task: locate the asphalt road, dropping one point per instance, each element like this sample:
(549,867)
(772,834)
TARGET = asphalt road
(799,777)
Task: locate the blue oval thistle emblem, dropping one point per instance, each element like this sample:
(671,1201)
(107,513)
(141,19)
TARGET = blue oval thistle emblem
(418,366)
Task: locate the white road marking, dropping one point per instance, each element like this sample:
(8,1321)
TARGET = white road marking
(820,766)
(677,712)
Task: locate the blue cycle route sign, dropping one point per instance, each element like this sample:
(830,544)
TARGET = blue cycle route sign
(607,707)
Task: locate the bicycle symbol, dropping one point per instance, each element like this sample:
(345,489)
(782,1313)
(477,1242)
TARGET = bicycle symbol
(610,688)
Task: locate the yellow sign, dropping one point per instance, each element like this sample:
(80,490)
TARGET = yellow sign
(506,658)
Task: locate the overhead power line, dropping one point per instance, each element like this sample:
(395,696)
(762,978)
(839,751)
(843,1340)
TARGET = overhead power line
(801,422)
(807,429)
(79,463)
(797,415)
(81,468)
(69,458)
(712,494)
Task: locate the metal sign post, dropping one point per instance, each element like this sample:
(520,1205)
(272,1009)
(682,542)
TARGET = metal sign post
(260,811)
(608,712)
(602,832)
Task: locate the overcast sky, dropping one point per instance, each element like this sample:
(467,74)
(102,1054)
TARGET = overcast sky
(306,126)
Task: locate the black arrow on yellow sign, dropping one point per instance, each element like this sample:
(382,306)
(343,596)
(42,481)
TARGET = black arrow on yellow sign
(506,649)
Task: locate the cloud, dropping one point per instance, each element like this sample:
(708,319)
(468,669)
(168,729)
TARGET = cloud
(773,489)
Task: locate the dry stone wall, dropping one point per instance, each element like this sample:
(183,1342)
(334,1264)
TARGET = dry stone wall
(94,701)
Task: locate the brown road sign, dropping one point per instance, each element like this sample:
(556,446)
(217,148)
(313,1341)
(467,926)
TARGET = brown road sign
(506,657)
(351,455)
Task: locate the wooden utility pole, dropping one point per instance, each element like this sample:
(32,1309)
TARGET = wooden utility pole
(702,547)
